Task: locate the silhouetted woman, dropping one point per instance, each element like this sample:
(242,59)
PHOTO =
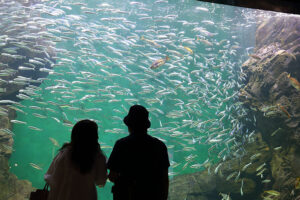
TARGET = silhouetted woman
(79,166)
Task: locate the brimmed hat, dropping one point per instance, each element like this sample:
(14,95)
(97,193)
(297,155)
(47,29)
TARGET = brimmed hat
(137,117)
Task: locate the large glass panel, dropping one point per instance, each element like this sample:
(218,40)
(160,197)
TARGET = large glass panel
(221,84)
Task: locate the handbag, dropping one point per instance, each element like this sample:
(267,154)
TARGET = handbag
(40,194)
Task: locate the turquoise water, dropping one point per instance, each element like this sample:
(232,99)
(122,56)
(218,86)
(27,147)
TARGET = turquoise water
(103,67)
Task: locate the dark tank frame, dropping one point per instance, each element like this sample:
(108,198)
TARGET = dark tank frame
(286,6)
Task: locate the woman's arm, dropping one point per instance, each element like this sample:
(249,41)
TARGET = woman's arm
(49,174)
(101,171)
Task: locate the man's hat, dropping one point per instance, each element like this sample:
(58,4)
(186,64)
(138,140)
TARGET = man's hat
(137,117)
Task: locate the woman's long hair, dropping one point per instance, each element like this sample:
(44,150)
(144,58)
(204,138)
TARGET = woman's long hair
(84,145)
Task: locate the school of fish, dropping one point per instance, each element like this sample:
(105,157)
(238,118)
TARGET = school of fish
(103,57)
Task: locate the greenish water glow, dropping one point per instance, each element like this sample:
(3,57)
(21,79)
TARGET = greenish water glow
(87,40)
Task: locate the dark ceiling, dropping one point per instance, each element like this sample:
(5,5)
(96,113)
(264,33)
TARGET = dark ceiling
(286,6)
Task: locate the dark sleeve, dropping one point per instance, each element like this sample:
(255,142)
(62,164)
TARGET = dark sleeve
(165,163)
(114,160)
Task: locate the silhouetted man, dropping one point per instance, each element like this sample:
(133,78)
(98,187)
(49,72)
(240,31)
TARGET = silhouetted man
(139,162)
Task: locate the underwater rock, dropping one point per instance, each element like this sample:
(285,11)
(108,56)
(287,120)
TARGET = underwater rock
(24,59)
(196,185)
(282,29)
(14,189)
(273,99)
(271,158)
(6,139)
(23,187)
(11,187)
(269,90)
(228,178)
(285,171)
(203,186)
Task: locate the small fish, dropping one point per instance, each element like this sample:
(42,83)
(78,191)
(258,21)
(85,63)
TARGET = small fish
(51,110)
(39,115)
(8,101)
(237,177)
(206,42)
(231,175)
(23,96)
(188,49)
(150,41)
(54,141)
(67,124)
(246,166)
(242,184)
(35,61)
(260,167)
(276,131)
(214,140)
(25,68)
(278,148)
(172,173)
(159,62)
(217,168)
(255,56)
(284,110)
(185,165)
(17,121)
(294,82)
(260,173)
(202,9)
(272,192)
(35,107)
(35,166)
(57,120)
(253,157)
(34,128)
(266,181)
(195,166)
(225,196)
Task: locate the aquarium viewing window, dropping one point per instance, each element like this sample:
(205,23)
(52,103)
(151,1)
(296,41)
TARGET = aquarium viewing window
(221,84)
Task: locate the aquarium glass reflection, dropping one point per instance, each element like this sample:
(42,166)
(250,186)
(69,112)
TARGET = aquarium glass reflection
(62,61)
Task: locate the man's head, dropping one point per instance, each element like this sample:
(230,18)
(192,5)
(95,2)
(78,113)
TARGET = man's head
(137,119)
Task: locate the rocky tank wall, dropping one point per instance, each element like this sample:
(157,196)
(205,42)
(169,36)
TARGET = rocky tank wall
(270,167)
(19,47)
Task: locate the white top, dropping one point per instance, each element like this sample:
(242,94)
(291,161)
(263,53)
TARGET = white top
(67,183)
